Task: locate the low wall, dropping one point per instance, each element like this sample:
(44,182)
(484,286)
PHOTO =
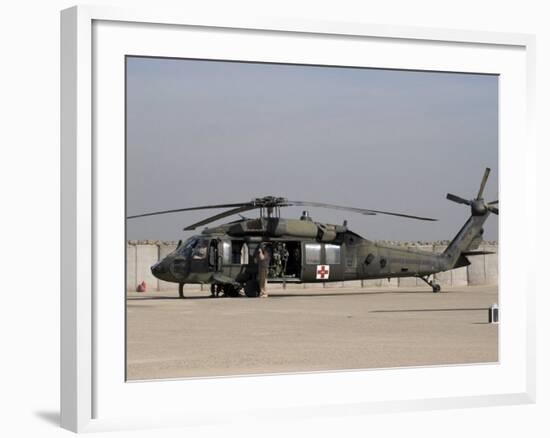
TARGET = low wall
(140,255)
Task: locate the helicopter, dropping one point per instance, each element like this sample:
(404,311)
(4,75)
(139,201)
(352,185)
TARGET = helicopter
(305,251)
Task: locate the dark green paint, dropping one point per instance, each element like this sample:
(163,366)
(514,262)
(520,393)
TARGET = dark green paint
(358,258)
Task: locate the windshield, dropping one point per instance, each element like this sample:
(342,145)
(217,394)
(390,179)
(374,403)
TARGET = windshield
(193,248)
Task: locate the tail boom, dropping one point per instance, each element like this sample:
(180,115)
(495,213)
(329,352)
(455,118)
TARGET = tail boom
(466,240)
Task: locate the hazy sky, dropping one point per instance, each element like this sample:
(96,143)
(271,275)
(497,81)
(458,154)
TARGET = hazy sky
(201,132)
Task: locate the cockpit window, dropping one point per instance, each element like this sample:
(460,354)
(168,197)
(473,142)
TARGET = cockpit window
(189,243)
(200,250)
(193,248)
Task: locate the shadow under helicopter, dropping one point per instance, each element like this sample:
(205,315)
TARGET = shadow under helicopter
(287,295)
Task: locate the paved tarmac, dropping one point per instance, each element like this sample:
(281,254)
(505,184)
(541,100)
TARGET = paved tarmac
(307,330)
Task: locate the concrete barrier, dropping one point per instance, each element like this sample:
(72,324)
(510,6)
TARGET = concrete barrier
(391,283)
(164,250)
(146,256)
(131,273)
(352,283)
(373,283)
(276,286)
(476,270)
(459,277)
(141,255)
(491,264)
(407,282)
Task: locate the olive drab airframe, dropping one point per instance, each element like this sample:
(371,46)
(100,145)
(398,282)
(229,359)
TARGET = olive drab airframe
(304,251)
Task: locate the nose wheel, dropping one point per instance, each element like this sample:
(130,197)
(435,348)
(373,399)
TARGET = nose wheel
(435,287)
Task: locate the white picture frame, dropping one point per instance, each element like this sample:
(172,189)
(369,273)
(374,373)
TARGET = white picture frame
(93,39)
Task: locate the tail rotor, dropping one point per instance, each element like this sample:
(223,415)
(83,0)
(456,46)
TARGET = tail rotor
(483,182)
(478,205)
(491,208)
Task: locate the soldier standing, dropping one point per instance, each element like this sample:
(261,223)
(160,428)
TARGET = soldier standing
(263,258)
(277,263)
(284,258)
(244,254)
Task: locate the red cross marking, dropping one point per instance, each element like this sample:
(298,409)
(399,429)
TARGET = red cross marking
(322,272)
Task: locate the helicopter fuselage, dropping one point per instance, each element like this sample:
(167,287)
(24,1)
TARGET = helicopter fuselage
(301,251)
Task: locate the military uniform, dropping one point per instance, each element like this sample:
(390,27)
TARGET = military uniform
(263,258)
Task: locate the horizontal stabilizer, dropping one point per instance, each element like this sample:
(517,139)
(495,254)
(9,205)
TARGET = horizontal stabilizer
(474,253)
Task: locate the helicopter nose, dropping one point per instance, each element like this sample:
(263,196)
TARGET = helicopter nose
(158,268)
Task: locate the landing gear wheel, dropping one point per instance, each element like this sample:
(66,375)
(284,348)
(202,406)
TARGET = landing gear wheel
(180,290)
(252,289)
(230,291)
(213,290)
(435,287)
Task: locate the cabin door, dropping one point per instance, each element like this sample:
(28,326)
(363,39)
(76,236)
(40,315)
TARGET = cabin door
(322,262)
(332,257)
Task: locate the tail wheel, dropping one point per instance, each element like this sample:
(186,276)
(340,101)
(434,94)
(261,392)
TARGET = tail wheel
(435,287)
(180,290)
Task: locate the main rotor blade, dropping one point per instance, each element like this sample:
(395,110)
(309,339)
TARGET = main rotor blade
(457,199)
(493,210)
(334,207)
(204,207)
(357,210)
(483,182)
(220,216)
(492,202)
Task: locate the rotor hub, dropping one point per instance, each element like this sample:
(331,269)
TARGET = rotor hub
(478,207)
(269,201)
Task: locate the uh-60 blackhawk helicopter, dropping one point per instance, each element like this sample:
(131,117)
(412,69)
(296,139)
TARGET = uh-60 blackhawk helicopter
(304,251)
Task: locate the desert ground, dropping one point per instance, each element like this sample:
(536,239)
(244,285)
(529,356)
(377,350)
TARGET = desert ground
(313,329)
